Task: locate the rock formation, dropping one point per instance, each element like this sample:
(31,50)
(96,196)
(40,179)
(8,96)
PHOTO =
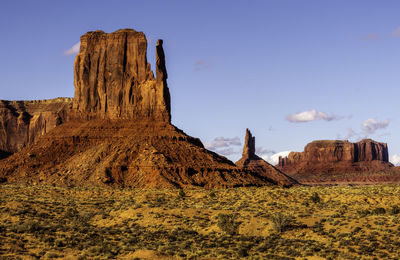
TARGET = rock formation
(251,162)
(335,158)
(114,81)
(118,131)
(23,122)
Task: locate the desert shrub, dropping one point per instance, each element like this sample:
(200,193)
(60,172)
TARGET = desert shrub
(356,230)
(158,202)
(281,222)
(181,194)
(71,213)
(243,251)
(315,198)
(27,227)
(395,210)
(363,212)
(228,224)
(212,194)
(378,211)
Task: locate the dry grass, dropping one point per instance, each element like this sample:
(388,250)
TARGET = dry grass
(345,222)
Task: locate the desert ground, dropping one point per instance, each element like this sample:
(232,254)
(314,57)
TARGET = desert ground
(345,222)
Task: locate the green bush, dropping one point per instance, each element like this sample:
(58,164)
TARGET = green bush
(181,194)
(379,211)
(281,222)
(315,198)
(395,210)
(228,224)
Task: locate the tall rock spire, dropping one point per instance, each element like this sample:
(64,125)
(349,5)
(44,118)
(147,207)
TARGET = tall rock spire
(161,76)
(161,70)
(249,148)
(253,163)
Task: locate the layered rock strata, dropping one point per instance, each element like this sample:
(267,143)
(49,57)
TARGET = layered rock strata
(251,162)
(336,159)
(118,131)
(23,122)
(113,79)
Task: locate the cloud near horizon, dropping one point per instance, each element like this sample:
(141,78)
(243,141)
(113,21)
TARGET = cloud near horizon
(395,159)
(73,50)
(396,33)
(263,151)
(371,125)
(274,159)
(371,37)
(223,145)
(310,115)
(202,65)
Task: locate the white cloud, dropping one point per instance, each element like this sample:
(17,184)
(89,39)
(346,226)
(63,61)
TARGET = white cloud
(202,65)
(224,146)
(371,125)
(371,37)
(395,159)
(396,33)
(221,142)
(227,151)
(263,151)
(274,159)
(73,50)
(310,115)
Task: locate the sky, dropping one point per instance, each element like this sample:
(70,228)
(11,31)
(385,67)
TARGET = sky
(290,71)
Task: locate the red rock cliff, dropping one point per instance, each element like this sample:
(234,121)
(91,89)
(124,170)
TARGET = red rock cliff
(338,151)
(336,161)
(23,122)
(113,79)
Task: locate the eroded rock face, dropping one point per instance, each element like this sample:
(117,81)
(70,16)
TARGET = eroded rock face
(333,159)
(23,122)
(113,79)
(327,151)
(249,148)
(251,162)
(118,132)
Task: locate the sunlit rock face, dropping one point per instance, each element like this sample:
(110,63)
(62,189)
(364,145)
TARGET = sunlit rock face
(23,122)
(113,79)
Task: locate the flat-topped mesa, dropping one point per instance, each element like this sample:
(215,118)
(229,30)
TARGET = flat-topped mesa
(332,151)
(113,79)
(339,161)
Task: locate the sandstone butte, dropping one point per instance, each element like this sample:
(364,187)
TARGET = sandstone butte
(250,161)
(338,161)
(116,130)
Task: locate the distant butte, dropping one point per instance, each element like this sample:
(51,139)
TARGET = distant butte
(250,161)
(338,161)
(116,131)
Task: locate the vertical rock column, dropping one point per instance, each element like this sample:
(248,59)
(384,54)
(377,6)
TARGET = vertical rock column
(249,148)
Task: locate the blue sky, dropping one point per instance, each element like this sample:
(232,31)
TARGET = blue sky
(290,71)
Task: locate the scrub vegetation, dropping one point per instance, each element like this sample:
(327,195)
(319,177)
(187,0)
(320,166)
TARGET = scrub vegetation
(349,222)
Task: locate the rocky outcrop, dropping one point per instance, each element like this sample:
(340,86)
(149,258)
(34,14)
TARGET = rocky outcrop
(251,162)
(23,122)
(113,79)
(336,158)
(327,151)
(118,132)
